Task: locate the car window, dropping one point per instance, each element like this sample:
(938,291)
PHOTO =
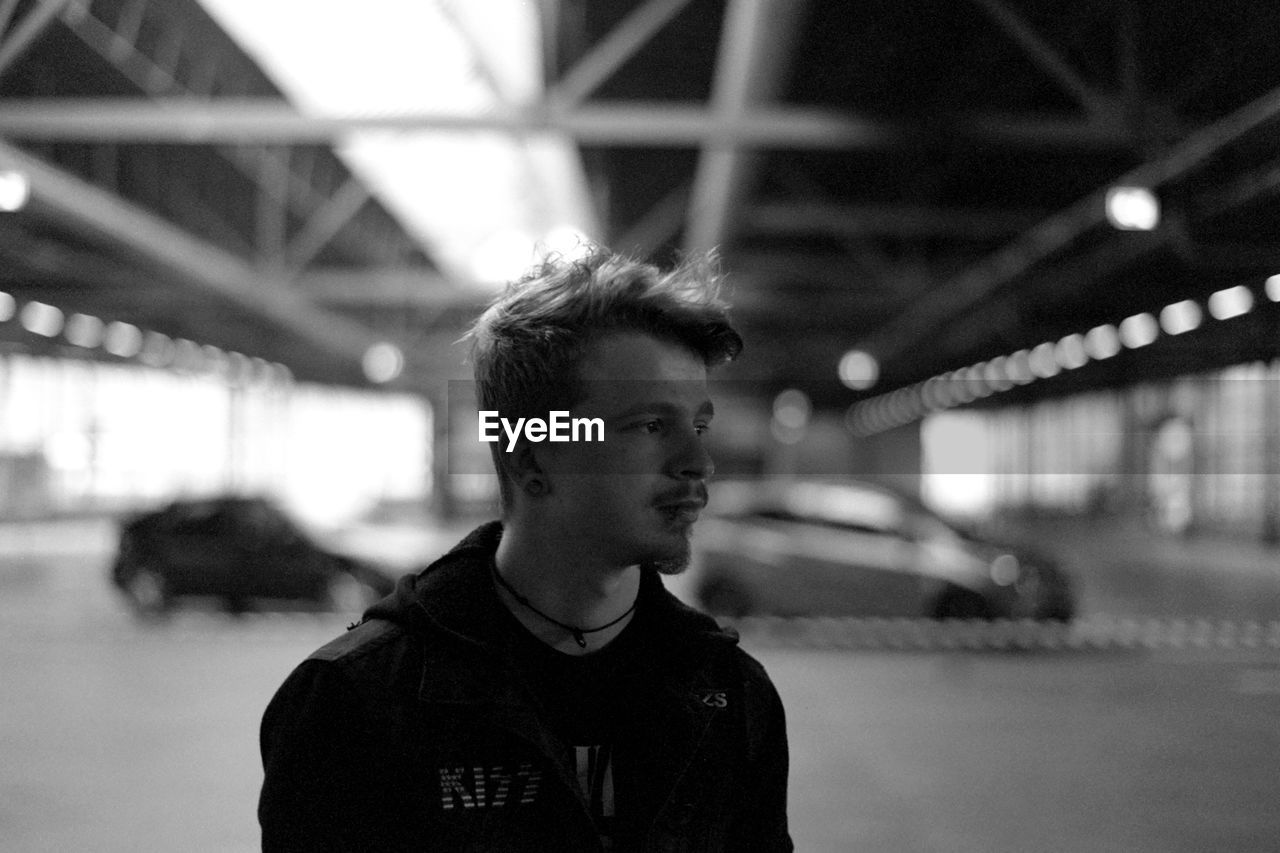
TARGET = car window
(849,508)
(195,519)
(831,521)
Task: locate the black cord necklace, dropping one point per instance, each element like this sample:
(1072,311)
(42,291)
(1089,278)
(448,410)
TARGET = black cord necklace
(578,634)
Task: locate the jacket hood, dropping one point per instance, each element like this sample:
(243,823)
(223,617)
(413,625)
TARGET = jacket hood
(455,595)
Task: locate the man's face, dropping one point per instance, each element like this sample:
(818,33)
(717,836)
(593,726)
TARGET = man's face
(634,497)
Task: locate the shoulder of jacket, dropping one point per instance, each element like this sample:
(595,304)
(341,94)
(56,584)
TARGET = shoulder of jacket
(362,640)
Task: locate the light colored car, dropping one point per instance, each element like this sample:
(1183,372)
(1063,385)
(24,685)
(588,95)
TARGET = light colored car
(850,548)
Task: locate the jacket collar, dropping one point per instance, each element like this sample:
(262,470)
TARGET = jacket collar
(455,594)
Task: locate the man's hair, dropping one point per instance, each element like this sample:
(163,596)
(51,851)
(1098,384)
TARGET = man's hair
(526,346)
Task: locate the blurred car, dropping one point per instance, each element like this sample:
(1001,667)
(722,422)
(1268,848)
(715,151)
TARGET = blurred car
(239,550)
(850,548)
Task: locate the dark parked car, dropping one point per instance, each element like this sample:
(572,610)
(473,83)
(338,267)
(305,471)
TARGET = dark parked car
(849,548)
(241,551)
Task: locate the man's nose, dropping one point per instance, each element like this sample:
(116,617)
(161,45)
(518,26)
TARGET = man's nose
(693,461)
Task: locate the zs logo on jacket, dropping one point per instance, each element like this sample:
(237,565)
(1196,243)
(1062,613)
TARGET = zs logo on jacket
(488,786)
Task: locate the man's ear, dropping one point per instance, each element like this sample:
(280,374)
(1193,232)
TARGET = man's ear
(524,470)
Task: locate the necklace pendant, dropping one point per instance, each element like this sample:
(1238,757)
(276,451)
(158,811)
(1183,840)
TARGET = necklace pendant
(579,639)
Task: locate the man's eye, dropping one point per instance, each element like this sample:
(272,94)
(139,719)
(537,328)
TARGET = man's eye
(651,426)
(702,429)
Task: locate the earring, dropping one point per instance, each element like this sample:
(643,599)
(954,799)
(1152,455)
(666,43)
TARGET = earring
(534,487)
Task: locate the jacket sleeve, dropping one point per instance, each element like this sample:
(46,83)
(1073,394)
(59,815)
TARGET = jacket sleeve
(762,823)
(313,741)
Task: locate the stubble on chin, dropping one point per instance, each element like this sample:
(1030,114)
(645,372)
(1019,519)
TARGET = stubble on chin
(673,564)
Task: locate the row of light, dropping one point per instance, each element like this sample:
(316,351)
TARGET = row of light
(154,349)
(962,386)
(382,362)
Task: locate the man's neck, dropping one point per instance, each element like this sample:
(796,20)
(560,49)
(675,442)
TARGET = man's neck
(564,583)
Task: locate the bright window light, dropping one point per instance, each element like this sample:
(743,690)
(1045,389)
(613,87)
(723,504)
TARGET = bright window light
(1102,342)
(567,241)
(1069,352)
(858,370)
(1232,302)
(41,319)
(1273,288)
(503,256)
(1132,208)
(454,190)
(1138,330)
(1043,361)
(1180,317)
(15,190)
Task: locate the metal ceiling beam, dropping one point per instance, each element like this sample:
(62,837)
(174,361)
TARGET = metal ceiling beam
(1100,105)
(922,321)
(385,287)
(325,224)
(611,52)
(845,220)
(283,192)
(660,223)
(7,10)
(201,121)
(755,46)
(107,216)
(28,30)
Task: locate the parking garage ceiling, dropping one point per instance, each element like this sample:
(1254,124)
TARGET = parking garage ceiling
(923,180)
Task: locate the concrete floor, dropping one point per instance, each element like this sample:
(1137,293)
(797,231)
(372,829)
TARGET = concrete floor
(120,736)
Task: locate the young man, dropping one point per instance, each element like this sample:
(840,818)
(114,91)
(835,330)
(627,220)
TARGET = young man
(537,689)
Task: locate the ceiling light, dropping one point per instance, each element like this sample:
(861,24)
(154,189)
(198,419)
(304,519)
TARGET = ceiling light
(1138,330)
(997,373)
(156,349)
(1132,208)
(1018,367)
(1043,362)
(1180,317)
(41,319)
(858,370)
(791,409)
(1069,352)
(1273,288)
(122,339)
(383,362)
(239,368)
(961,392)
(15,190)
(1102,342)
(934,394)
(84,330)
(1232,302)
(7,306)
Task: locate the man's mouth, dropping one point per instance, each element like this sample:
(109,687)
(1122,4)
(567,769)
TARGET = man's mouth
(682,512)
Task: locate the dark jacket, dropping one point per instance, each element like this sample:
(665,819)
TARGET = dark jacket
(415,731)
